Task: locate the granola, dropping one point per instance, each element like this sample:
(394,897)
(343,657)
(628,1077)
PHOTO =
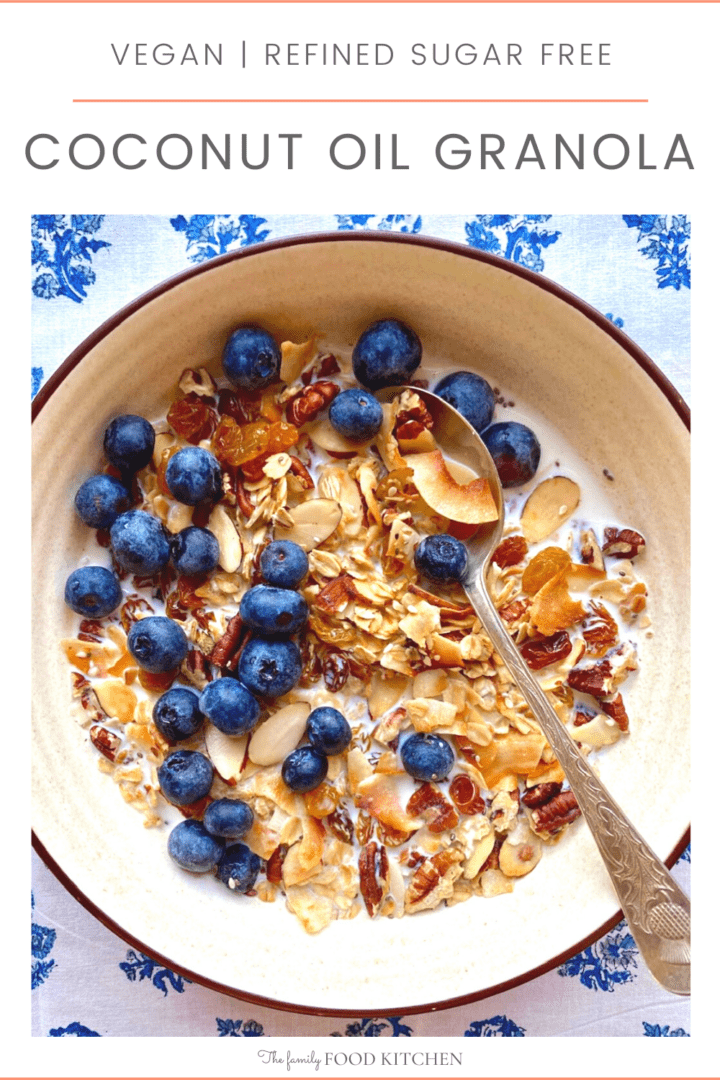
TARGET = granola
(392,653)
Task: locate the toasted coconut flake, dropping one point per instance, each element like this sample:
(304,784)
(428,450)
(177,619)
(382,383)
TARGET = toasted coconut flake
(379,796)
(117,699)
(553,609)
(472,503)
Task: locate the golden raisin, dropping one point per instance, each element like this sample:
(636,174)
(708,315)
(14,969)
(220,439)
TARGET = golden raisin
(192,418)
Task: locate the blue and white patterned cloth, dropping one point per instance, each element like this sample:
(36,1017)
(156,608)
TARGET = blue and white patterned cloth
(634,268)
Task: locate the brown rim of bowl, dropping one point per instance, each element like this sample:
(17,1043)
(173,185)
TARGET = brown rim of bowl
(43,396)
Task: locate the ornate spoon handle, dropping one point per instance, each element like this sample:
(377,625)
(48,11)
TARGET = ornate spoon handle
(656,909)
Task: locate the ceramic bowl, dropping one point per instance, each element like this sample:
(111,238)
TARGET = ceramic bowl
(527,336)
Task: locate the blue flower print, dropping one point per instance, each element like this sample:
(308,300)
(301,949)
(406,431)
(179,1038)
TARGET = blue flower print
(138,966)
(373,1028)
(515,237)
(685,857)
(615,320)
(79,1030)
(402,223)
(209,235)
(665,240)
(61,254)
(42,939)
(495,1026)
(655,1030)
(238,1028)
(607,964)
(36,374)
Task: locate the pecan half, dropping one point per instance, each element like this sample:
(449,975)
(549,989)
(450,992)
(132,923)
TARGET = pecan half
(107,742)
(428,876)
(511,551)
(513,611)
(541,651)
(419,414)
(541,794)
(335,669)
(615,709)
(409,430)
(298,469)
(590,553)
(244,504)
(340,824)
(327,365)
(196,669)
(429,803)
(601,679)
(273,871)
(557,813)
(374,868)
(465,793)
(599,631)
(228,644)
(310,402)
(623,543)
(334,596)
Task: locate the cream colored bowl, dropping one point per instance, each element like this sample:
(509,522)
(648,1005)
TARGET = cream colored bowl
(589,383)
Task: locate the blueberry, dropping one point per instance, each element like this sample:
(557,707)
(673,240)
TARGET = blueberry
(388,353)
(157,643)
(191,846)
(185,776)
(283,564)
(177,714)
(441,558)
(515,451)
(328,730)
(92,591)
(471,395)
(273,612)
(303,769)
(194,550)
(100,500)
(229,818)
(239,868)
(229,706)
(193,475)
(270,668)
(251,358)
(356,414)
(129,442)
(139,542)
(427,757)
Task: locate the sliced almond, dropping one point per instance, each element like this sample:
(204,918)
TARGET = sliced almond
(227,754)
(479,855)
(548,506)
(520,853)
(272,741)
(324,435)
(335,483)
(312,522)
(223,529)
(471,503)
(179,517)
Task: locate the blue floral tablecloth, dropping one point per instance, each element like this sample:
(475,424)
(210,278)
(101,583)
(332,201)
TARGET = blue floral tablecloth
(634,268)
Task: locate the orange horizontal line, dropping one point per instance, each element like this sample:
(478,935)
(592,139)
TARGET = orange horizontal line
(359,101)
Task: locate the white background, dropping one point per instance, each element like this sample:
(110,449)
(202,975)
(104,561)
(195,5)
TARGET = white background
(666,52)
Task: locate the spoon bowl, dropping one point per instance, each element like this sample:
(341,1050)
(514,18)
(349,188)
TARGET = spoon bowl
(656,909)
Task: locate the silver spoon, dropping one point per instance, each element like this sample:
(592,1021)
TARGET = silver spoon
(656,908)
